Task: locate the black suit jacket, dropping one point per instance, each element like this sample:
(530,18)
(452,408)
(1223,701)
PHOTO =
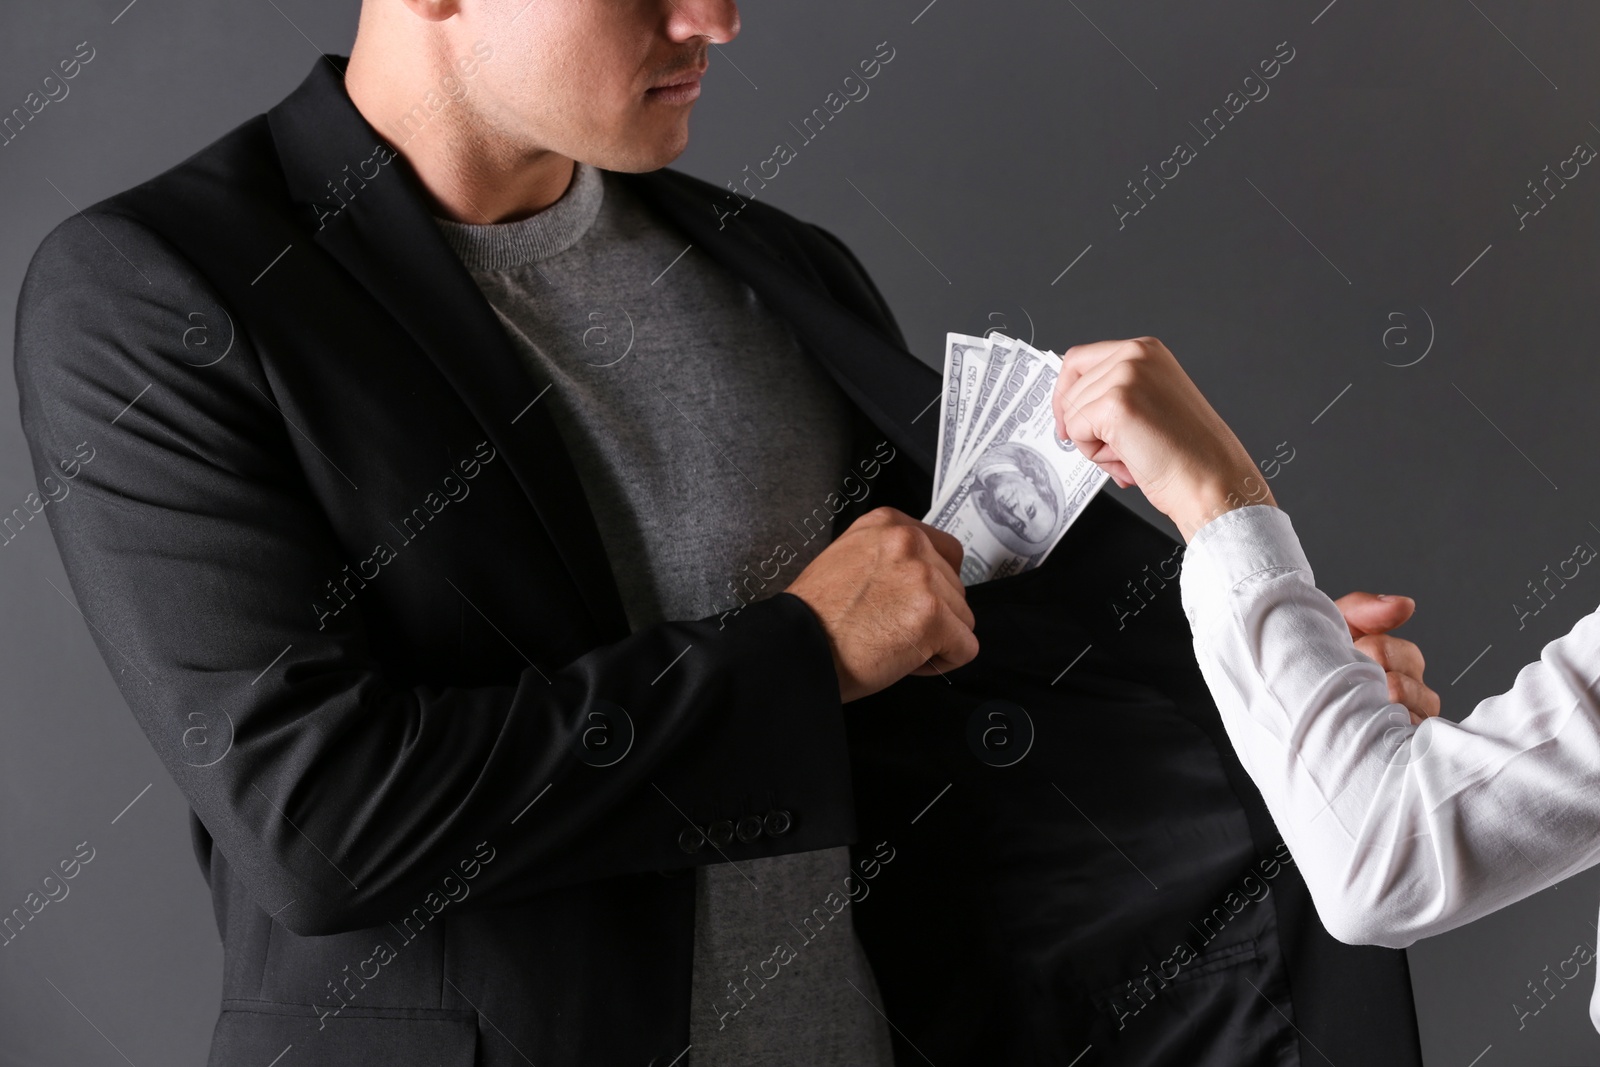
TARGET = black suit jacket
(340,565)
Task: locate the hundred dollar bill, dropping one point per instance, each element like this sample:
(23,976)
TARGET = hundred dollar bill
(1012,364)
(996,362)
(1014,502)
(964,358)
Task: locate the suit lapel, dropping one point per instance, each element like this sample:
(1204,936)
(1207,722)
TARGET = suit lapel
(386,238)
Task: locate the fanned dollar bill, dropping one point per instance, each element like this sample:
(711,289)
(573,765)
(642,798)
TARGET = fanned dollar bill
(1012,364)
(1010,495)
(964,360)
(997,362)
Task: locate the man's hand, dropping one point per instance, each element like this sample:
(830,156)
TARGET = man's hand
(888,593)
(1370,618)
(1133,412)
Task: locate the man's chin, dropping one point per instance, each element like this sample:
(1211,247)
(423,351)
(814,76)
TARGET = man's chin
(646,153)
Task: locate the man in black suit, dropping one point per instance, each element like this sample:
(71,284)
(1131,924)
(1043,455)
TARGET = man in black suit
(367,545)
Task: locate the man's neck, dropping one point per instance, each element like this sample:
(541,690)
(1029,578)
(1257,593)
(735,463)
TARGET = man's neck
(470,173)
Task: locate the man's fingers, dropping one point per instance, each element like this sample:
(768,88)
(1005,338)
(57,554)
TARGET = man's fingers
(954,595)
(949,587)
(955,645)
(939,551)
(1418,699)
(948,548)
(946,664)
(1370,613)
(1393,653)
(944,558)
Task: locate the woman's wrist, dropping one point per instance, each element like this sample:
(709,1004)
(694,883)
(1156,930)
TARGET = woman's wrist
(1215,493)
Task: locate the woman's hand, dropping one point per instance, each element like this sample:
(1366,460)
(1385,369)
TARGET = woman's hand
(1370,617)
(1132,411)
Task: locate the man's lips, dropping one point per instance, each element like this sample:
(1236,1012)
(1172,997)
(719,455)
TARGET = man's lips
(681,80)
(683,77)
(683,89)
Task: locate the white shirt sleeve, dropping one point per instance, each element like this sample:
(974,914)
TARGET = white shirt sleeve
(1401,831)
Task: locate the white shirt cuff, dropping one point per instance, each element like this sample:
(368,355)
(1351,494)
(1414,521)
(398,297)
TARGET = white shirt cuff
(1230,549)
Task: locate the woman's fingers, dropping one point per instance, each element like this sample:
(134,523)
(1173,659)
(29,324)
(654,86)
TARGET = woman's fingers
(1422,702)
(1393,653)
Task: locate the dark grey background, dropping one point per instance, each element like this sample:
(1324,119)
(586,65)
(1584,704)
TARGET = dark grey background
(984,161)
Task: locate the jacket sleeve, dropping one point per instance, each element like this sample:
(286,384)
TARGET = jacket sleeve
(189,535)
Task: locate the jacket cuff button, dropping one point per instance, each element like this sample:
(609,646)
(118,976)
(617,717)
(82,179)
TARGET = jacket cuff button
(691,838)
(749,828)
(778,822)
(720,833)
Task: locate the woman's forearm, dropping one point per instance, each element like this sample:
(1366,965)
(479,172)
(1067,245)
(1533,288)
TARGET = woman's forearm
(1401,831)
